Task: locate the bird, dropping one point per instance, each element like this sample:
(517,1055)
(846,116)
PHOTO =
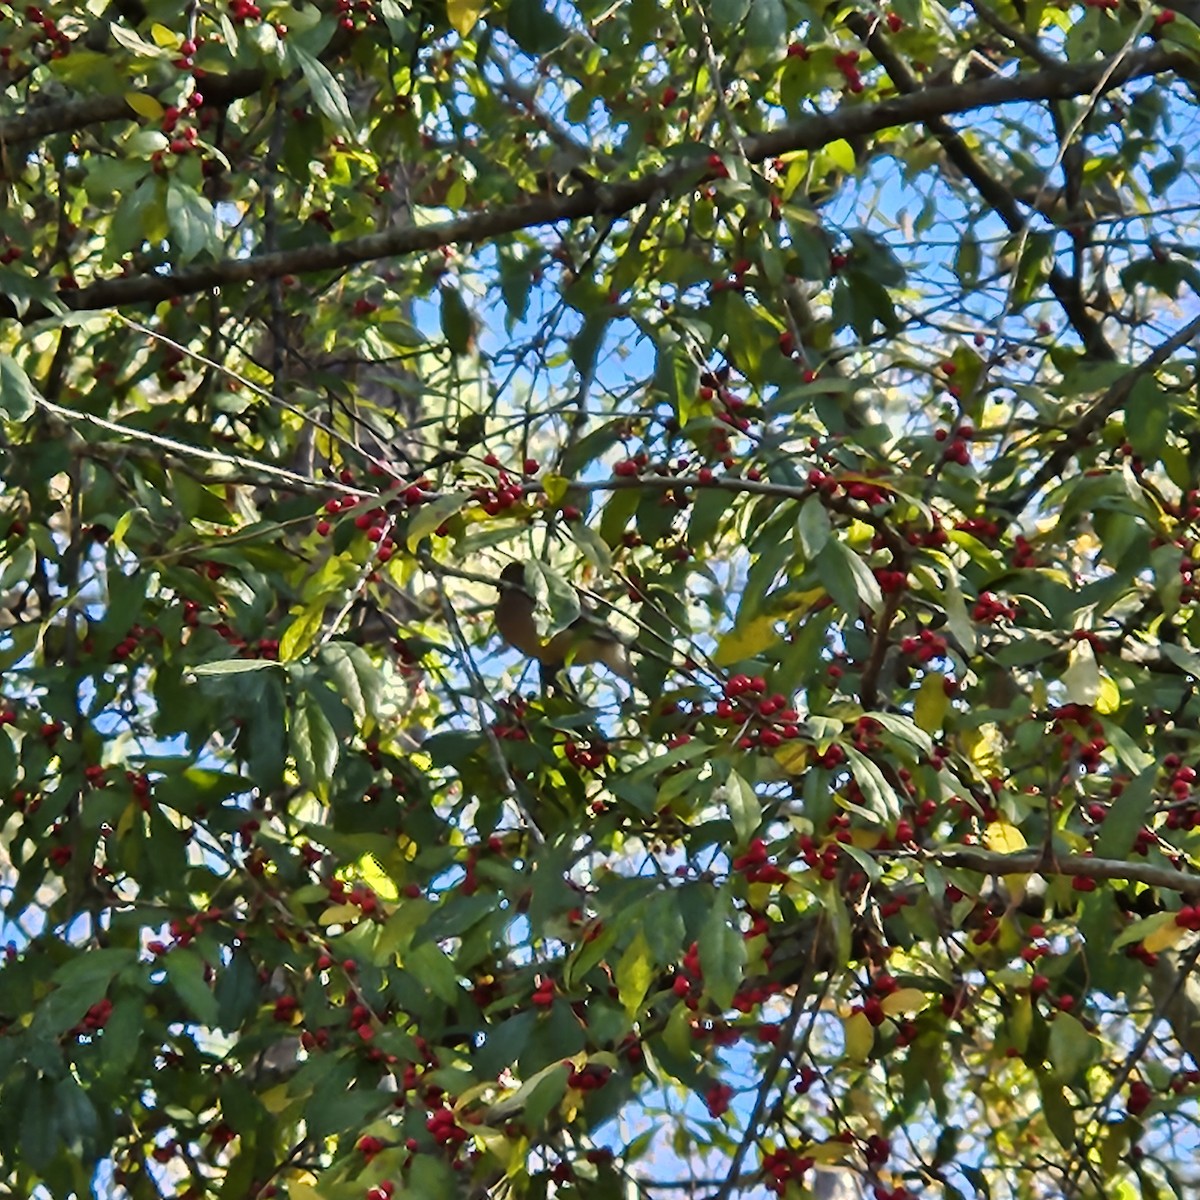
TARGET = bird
(586,641)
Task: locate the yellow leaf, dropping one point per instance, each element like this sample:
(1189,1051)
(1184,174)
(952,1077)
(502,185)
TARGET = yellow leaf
(555,487)
(932,703)
(1164,937)
(463,14)
(984,746)
(1082,676)
(860,1037)
(830,1152)
(793,757)
(1109,699)
(340,914)
(1003,838)
(164,38)
(144,105)
(747,641)
(377,879)
(276,1099)
(905,1002)
(302,1191)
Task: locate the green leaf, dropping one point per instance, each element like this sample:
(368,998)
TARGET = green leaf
(967,260)
(1147,418)
(326,91)
(430,516)
(303,631)
(1071,1048)
(1127,815)
(236,666)
(191,219)
(185,971)
(18,397)
(93,966)
(314,746)
(458,326)
(357,677)
(847,578)
(878,795)
(722,952)
(745,811)
(813,526)
(1059,1112)
(635,973)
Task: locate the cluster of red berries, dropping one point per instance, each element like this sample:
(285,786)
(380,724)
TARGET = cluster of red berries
(925,646)
(689,977)
(183,141)
(959,450)
(717,1099)
(369,1146)
(587,1078)
(384,1190)
(989,609)
(243,11)
(890,579)
(509,727)
(589,757)
(444,1127)
(782,1166)
(1140,1097)
(543,992)
(756,864)
(498,499)
(346,9)
(767,722)
(847,63)
(95,1018)
(1188,917)
(47,31)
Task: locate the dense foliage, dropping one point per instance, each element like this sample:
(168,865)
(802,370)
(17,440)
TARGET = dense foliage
(842,359)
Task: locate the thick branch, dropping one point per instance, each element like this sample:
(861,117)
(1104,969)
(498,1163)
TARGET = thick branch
(1034,862)
(809,133)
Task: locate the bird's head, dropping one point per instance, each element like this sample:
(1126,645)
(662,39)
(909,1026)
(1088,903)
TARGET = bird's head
(513,576)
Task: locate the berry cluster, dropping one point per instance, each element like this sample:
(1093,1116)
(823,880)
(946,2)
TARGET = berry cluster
(989,609)
(767,722)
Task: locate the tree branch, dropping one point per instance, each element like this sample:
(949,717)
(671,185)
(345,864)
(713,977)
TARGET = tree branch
(809,133)
(1034,862)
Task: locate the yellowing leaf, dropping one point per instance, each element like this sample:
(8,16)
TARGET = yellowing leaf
(984,746)
(555,487)
(905,1002)
(1082,676)
(302,1191)
(276,1099)
(1164,937)
(793,757)
(1003,838)
(830,1152)
(163,37)
(746,641)
(144,105)
(377,879)
(1109,699)
(635,973)
(860,1037)
(463,14)
(932,703)
(340,914)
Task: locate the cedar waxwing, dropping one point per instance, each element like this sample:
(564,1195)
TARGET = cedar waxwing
(586,640)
